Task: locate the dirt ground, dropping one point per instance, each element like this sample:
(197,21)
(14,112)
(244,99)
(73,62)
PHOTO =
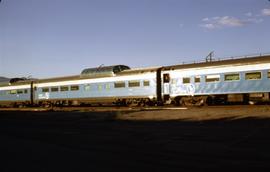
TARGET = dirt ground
(193,139)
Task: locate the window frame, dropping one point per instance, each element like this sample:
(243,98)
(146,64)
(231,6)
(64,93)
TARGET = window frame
(134,83)
(146,83)
(246,73)
(45,89)
(211,77)
(63,90)
(197,77)
(185,79)
(54,89)
(119,84)
(87,87)
(239,77)
(74,86)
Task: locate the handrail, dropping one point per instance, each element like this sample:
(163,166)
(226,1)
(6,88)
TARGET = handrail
(228,58)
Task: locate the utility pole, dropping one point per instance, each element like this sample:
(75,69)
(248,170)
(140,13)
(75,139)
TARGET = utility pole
(209,57)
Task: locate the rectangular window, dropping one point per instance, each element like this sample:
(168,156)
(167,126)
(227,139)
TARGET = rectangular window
(166,78)
(64,88)
(197,79)
(268,74)
(19,91)
(212,78)
(253,75)
(133,83)
(45,90)
(146,83)
(74,87)
(54,89)
(87,87)
(99,87)
(232,77)
(186,80)
(107,86)
(173,81)
(25,91)
(119,84)
(13,92)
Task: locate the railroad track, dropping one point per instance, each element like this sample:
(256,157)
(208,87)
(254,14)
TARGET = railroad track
(114,108)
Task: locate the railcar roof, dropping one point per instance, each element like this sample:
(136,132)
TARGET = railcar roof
(77,77)
(58,79)
(226,62)
(23,82)
(223,62)
(139,70)
(103,71)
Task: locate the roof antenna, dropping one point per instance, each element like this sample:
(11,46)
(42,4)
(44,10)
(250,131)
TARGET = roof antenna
(209,57)
(100,66)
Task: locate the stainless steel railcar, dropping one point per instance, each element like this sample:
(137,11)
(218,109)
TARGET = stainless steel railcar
(245,80)
(227,81)
(109,84)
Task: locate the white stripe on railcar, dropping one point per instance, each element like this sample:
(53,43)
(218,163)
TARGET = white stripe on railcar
(14,87)
(217,70)
(99,80)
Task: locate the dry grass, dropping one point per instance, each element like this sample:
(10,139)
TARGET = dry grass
(199,114)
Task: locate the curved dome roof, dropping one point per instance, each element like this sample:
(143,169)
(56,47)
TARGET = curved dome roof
(103,71)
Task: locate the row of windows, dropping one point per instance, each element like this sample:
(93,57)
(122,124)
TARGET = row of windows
(122,84)
(100,87)
(17,91)
(62,88)
(227,77)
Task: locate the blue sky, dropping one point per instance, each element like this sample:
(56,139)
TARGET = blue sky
(61,37)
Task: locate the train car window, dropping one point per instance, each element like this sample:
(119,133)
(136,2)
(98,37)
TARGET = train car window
(74,87)
(186,80)
(173,81)
(54,89)
(107,86)
(119,84)
(99,87)
(19,91)
(166,78)
(64,88)
(197,79)
(268,74)
(25,91)
(232,77)
(87,87)
(212,78)
(146,83)
(133,83)
(13,92)
(253,75)
(45,90)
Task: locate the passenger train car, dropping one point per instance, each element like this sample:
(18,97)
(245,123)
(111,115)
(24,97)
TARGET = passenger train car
(242,80)
(110,84)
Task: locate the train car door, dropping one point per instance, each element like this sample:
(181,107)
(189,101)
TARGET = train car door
(166,87)
(32,96)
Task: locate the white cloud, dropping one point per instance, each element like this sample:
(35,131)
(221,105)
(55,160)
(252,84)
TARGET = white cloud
(220,22)
(208,26)
(205,19)
(265,12)
(249,14)
(254,20)
(230,21)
